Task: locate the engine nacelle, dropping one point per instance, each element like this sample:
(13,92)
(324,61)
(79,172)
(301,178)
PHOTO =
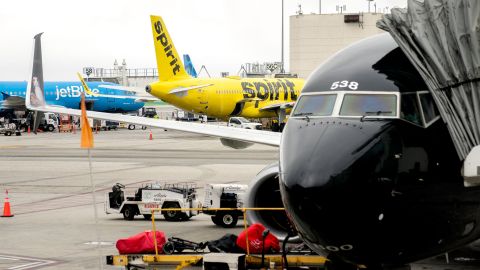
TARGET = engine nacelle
(235,144)
(264,192)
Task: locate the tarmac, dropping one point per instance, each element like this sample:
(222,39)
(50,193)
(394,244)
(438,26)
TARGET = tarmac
(49,183)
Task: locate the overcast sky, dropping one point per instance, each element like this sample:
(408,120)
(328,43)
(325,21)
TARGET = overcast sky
(220,34)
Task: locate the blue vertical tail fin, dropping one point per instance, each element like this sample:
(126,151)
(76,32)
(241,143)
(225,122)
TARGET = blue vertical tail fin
(189,66)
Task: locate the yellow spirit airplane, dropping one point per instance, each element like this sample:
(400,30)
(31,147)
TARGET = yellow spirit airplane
(221,97)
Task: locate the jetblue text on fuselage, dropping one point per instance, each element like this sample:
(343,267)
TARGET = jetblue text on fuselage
(167,47)
(72,91)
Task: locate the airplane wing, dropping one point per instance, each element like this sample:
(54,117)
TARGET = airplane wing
(246,135)
(276,106)
(185,89)
(35,100)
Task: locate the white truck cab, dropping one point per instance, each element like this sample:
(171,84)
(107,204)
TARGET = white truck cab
(242,122)
(49,122)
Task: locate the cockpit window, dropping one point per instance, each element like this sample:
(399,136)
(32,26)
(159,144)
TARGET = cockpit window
(430,111)
(369,105)
(409,108)
(315,105)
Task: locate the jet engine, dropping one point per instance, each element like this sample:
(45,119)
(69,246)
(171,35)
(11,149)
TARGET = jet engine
(264,192)
(235,144)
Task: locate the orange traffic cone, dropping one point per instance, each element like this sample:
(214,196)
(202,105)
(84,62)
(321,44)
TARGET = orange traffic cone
(151,136)
(28,131)
(6,207)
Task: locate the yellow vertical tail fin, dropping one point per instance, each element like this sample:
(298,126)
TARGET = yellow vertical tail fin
(170,67)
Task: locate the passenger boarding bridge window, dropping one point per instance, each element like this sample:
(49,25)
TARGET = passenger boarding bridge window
(430,111)
(315,105)
(409,108)
(369,105)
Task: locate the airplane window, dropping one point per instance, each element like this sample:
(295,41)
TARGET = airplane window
(430,111)
(315,105)
(409,108)
(369,104)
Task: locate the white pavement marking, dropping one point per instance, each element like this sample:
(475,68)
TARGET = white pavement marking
(32,262)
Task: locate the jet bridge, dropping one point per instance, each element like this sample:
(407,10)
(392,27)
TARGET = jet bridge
(442,41)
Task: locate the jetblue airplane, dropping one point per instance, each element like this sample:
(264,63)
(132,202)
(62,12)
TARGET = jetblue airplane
(67,94)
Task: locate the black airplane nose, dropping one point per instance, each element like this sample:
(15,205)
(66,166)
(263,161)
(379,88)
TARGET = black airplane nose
(329,170)
(148,88)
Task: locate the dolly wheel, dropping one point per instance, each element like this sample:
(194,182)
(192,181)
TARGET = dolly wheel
(171,215)
(215,220)
(129,212)
(169,248)
(227,219)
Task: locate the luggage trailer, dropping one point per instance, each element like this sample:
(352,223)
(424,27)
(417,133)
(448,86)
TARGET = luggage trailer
(231,261)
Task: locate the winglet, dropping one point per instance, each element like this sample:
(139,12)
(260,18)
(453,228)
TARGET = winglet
(35,97)
(85,86)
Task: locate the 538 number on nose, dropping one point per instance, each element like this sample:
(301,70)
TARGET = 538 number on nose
(344,84)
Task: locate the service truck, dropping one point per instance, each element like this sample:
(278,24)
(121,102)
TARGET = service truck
(241,122)
(224,196)
(49,122)
(9,129)
(154,195)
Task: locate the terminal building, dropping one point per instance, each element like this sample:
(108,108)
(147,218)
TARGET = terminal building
(315,37)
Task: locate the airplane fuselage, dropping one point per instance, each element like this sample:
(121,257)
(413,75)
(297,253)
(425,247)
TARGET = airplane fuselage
(369,173)
(67,94)
(229,96)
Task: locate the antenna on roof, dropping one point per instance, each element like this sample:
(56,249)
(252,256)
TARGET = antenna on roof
(299,12)
(369,1)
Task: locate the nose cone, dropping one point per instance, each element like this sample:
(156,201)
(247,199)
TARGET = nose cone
(330,171)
